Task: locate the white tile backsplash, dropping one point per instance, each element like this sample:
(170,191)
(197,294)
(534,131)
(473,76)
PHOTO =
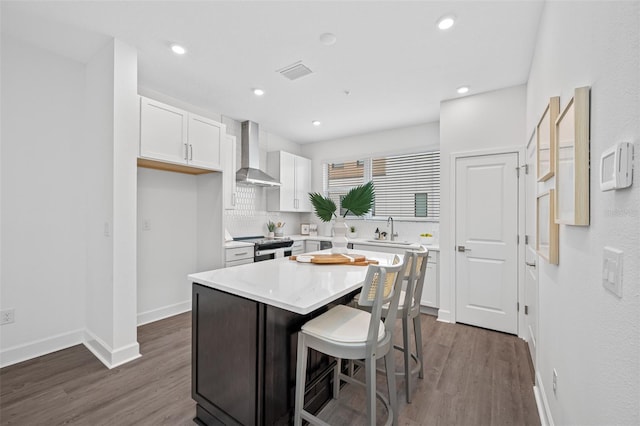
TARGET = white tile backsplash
(250,216)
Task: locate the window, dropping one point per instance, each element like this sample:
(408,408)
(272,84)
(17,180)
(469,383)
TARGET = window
(407,186)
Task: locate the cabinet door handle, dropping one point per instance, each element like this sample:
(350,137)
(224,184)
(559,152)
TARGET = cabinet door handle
(241,254)
(463,249)
(533,264)
(191,155)
(186,151)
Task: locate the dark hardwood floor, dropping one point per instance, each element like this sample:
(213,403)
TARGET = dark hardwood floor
(472,377)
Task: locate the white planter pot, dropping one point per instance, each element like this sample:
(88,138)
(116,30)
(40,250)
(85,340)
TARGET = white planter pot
(339,240)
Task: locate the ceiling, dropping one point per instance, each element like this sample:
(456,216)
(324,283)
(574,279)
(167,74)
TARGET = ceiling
(390,57)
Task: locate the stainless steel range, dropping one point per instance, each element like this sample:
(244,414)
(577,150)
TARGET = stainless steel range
(268,248)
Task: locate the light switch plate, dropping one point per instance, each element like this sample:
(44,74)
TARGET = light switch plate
(612,270)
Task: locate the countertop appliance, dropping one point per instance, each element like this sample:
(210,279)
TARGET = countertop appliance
(268,248)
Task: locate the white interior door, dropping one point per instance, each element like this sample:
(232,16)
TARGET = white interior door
(486,241)
(531,257)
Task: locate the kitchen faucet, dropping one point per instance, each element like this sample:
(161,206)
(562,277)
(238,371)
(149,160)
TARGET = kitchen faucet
(393,234)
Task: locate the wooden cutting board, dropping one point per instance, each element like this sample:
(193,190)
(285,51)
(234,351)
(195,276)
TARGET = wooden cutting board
(338,259)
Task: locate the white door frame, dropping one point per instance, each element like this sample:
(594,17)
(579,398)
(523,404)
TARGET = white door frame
(453,157)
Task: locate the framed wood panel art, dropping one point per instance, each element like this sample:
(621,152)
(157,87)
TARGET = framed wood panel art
(546,140)
(572,161)
(546,228)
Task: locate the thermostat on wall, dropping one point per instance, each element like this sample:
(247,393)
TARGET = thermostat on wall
(616,167)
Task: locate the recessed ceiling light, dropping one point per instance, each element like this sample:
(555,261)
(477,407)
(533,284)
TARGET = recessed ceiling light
(178,50)
(446,22)
(463,89)
(316,123)
(328,39)
(258,92)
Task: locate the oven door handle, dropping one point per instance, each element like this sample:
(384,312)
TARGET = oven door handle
(273,251)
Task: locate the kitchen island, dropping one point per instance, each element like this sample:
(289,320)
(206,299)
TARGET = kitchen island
(245,324)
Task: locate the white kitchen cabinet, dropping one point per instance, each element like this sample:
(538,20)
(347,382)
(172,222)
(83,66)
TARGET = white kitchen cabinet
(204,138)
(431,284)
(172,135)
(298,247)
(238,256)
(312,245)
(294,174)
(229,171)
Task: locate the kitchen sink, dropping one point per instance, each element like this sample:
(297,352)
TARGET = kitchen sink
(399,243)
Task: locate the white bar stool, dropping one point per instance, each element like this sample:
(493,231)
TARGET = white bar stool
(415,267)
(349,333)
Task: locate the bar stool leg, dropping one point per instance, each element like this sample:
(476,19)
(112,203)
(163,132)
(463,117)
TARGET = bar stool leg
(391,384)
(370,378)
(417,330)
(301,370)
(336,378)
(406,344)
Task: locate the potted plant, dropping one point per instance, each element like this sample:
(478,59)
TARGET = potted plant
(358,201)
(272,228)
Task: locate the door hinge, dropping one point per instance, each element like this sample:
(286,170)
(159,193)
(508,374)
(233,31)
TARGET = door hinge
(518,239)
(526,239)
(526,309)
(518,306)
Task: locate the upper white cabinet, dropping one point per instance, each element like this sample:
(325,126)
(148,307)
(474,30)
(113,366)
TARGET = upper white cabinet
(294,174)
(172,135)
(229,171)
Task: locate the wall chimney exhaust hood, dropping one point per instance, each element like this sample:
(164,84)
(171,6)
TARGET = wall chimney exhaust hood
(250,172)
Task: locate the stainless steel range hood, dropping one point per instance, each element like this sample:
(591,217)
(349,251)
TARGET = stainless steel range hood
(250,172)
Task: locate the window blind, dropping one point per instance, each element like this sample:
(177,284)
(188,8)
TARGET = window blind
(409,186)
(405,185)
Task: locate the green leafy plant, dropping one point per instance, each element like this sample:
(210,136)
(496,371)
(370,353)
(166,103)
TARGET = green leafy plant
(271,226)
(359,200)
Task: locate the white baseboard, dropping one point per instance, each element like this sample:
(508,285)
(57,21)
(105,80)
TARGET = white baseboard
(164,312)
(544,411)
(444,315)
(40,347)
(109,357)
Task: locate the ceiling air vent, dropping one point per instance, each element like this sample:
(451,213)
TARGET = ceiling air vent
(295,71)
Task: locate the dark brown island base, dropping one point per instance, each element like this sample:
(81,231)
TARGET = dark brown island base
(244,360)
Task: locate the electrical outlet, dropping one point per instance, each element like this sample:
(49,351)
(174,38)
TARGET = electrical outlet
(555,380)
(7,316)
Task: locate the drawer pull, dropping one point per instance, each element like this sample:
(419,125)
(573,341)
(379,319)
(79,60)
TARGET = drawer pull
(241,254)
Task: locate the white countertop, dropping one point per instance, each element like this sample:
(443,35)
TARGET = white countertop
(382,243)
(286,284)
(235,244)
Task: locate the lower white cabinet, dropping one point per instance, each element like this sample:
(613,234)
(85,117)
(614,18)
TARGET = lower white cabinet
(238,256)
(431,284)
(298,247)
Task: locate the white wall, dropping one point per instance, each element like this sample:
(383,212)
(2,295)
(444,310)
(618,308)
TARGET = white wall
(589,335)
(109,159)
(404,140)
(167,241)
(43,201)
(492,120)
